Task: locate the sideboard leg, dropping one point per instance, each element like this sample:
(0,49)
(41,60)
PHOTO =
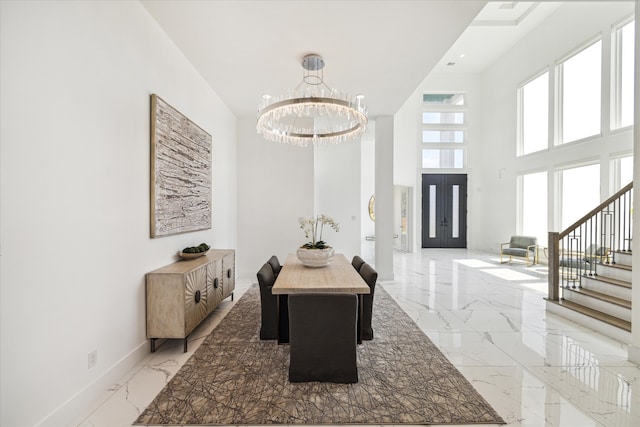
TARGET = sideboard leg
(185,344)
(153,345)
(231,296)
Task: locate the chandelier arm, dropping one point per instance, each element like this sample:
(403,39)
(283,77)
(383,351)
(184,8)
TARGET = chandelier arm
(308,100)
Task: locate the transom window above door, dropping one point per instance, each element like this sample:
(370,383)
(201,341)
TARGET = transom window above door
(444,132)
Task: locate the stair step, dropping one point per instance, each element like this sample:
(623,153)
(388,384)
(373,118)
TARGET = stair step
(623,257)
(610,320)
(619,266)
(615,290)
(602,297)
(612,281)
(615,271)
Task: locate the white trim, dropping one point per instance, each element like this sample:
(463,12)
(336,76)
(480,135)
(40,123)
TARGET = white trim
(633,354)
(77,404)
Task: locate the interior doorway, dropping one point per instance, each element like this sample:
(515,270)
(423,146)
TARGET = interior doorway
(444,210)
(402,218)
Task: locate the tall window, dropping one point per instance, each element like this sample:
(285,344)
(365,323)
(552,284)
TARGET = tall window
(580,192)
(443,131)
(622,75)
(626,170)
(534,206)
(621,172)
(534,115)
(580,90)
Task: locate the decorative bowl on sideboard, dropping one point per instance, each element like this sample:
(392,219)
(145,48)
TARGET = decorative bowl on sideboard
(185,255)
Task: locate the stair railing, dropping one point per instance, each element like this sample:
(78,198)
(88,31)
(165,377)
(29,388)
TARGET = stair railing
(593,239)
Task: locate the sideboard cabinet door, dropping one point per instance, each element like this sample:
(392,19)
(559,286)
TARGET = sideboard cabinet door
(195,299)
(229,274)
(214,283)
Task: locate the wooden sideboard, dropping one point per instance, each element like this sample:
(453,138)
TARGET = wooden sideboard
(182,294)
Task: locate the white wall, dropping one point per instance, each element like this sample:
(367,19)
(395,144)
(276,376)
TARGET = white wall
(275,188)
(279,183)
(634,348)
(406,160)
(492,113)
(367,189)
(337,194)
(384,197)
(74,111)
(408,136)
(406,128)
(572,25)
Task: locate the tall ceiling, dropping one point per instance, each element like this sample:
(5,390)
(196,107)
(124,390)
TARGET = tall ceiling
(382,49)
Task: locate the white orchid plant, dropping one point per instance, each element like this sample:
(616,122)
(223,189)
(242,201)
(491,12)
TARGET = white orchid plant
(313,228)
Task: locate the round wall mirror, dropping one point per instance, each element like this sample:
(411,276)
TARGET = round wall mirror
(372,207)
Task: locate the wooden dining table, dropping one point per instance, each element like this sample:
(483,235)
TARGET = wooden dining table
(337,277)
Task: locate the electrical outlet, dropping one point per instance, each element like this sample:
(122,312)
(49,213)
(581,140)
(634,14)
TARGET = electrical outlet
(92,359)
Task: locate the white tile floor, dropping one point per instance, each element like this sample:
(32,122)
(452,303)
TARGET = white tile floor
(535,368)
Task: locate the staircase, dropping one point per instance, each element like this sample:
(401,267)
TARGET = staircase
(590,269)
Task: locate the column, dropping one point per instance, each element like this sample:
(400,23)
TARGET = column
(384,197)
(634,348)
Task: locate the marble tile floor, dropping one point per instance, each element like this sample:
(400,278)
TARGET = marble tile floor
(489,319)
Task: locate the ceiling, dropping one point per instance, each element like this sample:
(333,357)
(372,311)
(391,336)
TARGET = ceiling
(494,31)
(383,49)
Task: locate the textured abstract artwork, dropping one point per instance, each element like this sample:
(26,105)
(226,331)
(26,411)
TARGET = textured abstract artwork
(180,172)
(234,378)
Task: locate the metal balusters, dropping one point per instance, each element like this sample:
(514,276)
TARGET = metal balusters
(592,240)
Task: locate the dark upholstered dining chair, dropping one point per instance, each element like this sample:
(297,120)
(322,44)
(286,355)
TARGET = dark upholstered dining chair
(322,334)
(274,262)
(370,276)
(268,304)
(357,262)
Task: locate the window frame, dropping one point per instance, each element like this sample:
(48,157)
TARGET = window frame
(521,199)
(520,118)
(559,186)
(615,170)
(615,98)
(559,91)
(463,127)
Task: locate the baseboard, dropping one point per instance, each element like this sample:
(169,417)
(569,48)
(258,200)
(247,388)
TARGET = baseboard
(633,354)
(72,410)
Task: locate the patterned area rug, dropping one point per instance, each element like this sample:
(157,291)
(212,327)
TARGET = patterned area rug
(234,378)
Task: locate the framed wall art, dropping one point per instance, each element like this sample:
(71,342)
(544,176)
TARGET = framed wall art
(180,172)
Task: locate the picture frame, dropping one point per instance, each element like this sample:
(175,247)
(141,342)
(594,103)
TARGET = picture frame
(181,172)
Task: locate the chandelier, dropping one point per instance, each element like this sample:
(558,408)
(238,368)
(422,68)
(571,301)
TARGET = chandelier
(312,112)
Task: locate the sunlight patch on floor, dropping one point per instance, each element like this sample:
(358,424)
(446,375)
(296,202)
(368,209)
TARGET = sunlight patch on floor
(507,274)
(537,286)
(473,263)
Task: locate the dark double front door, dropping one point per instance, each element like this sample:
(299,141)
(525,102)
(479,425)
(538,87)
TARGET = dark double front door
(444,211)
